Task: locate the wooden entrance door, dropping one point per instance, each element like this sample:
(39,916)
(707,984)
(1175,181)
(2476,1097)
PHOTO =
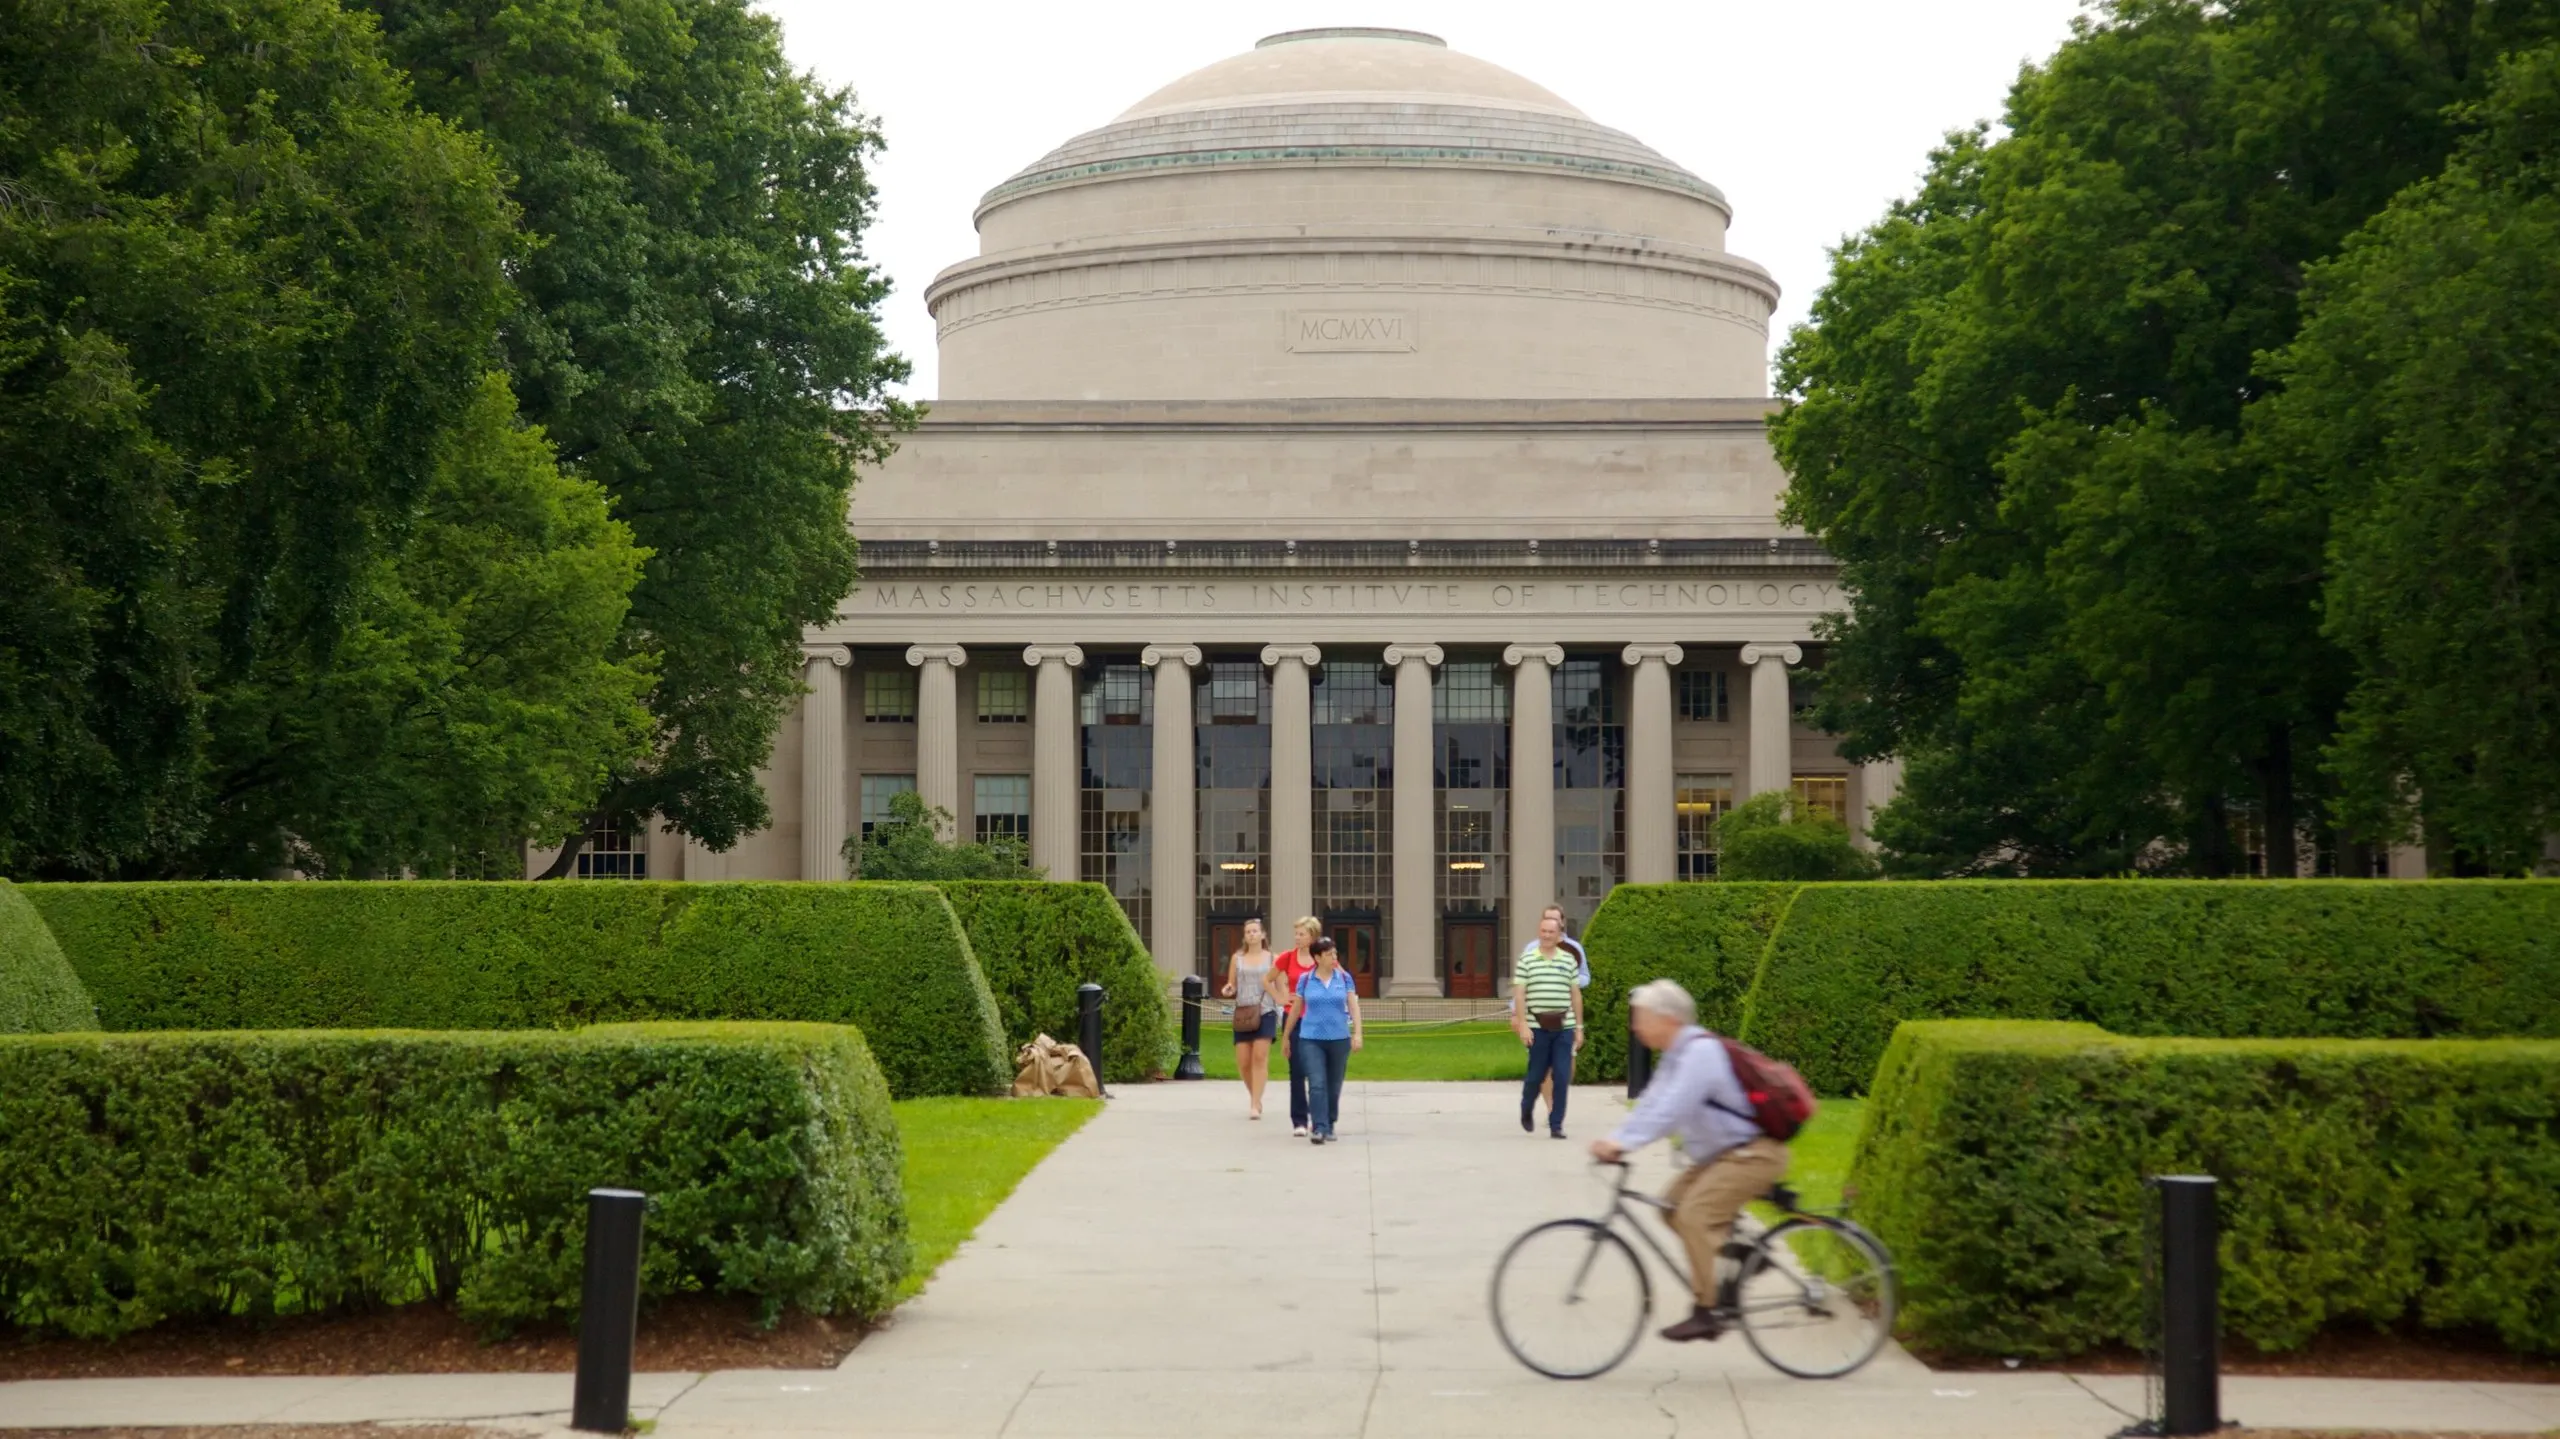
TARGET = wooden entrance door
(1468,944)
(1226,936)
(1356,941)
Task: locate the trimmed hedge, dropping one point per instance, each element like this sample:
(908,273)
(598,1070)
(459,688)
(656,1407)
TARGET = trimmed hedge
(2362,1182)
(38,992)
(1036,941)
(423,954)
(1707,936)
(162,1176)
(2352,959)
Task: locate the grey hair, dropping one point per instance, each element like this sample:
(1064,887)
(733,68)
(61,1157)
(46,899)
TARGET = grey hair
(1665,997)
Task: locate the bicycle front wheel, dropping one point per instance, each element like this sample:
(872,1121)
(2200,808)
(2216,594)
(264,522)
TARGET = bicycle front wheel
(1817,1298)
(1570,1299)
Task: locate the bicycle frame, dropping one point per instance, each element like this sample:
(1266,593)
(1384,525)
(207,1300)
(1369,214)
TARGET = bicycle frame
(1625,1199)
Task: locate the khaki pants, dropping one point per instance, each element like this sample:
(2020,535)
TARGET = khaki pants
(1706,1197)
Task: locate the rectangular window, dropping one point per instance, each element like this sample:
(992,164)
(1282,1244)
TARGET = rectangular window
(1004,696)
(1804,691)
(1824,794)
(1232,692)
(615,852)
(1586,693)
(1353,692)
(1117,694)
(1470,692)
(877,791)
(1003,806)
(888,696)
(1703,696)
(1698,802)
(1113,849)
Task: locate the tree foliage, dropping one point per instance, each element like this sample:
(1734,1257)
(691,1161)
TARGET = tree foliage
(2082,613)
(698,335)
(1771,837)
(909,844)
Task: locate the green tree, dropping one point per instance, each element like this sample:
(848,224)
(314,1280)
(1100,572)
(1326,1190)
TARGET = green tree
(249,297)
(1772,837)
(699,335)
(2418,412)
(909,844)
(2017,418)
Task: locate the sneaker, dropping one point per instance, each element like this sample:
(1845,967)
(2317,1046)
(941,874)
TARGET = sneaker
(1702,1323)
(1297,1131)
(1316,1138)
(1555,1134)
(1528,1122)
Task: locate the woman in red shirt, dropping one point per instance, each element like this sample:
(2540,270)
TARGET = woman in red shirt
(1286,971)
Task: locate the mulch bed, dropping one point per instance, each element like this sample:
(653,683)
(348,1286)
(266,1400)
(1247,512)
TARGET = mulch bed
(2415,1354)
(688,1334)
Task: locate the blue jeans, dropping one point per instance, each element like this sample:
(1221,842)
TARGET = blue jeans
(1550,1050)
(1328,1064)
(1297,1082)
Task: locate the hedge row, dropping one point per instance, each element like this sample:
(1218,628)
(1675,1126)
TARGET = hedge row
(38,992)
(1036,942)
(1843,963)
(417,954)
(2362,1182)
(152,1177)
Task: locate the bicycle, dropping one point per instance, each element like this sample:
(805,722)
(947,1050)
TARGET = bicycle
(1814,1294)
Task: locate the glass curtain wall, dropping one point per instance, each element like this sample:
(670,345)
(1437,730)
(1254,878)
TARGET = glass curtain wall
(1115,733)
(1471,747)
(1591,780)
(1231,746)
(1354,713)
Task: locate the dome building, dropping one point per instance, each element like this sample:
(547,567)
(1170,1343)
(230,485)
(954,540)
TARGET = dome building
(1349,494)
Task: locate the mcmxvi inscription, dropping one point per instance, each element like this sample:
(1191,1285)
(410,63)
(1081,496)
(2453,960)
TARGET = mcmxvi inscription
(1334,331)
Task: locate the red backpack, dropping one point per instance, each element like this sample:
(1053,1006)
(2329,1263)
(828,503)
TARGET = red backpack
(1781,1102)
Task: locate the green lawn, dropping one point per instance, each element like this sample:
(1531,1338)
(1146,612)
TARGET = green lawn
(1818,1159)
(964,1156)
(1396,1051)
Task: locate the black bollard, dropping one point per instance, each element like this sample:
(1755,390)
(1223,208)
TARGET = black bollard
(1189,1068)
(1639,1059)
(1089,1029)
(608,1312)
(2190,1305)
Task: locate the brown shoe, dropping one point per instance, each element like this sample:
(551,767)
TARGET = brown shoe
(1702,1323)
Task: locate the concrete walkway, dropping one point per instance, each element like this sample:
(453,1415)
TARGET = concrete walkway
(1177,1271)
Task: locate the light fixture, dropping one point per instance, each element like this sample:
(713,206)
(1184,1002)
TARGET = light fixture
(1466,864)
(1236,866)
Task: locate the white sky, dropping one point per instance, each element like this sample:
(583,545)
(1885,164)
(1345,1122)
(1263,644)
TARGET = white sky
(1811,115)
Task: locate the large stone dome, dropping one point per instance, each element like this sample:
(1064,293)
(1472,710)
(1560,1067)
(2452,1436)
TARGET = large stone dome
(1352,213)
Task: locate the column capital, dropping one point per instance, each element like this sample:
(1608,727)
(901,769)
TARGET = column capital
(1307,655)
(1428,654)
(1038,655)
(947,654)
(1153,655)
(841,656)
(1548,655)
(1787,651)
(1639,654)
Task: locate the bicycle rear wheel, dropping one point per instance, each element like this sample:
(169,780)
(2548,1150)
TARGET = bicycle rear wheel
(1817,1298)
(1570,1299)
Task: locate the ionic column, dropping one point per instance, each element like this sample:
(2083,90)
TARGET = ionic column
(1533,791)
(1652,843)
(1056,798)
(1173,835)
(1772,723)
(822,779)
(1293,827)
(1879,780)
(938,728)
(1410,970)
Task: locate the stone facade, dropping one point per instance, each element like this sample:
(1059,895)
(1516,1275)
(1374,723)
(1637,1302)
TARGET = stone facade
(1350,495)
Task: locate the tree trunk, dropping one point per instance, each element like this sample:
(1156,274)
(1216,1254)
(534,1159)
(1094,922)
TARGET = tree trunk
(2211,856)
(2275,804)
(570,849)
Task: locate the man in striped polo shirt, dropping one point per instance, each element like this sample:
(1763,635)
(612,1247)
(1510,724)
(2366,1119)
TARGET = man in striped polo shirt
(1546,1012)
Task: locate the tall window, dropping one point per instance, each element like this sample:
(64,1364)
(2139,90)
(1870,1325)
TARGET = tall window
(1702,695)
(1591,780)
(1231,753)
(1231,692)
(888,696)
(877,791)
(1471,763)
(1470,692)
(1003,806)
(1824,794)
(1004,696)
(616,851)
(1353,704)
(1699,800)
(1115,710)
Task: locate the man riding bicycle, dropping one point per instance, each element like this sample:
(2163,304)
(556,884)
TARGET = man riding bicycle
(1695,1097)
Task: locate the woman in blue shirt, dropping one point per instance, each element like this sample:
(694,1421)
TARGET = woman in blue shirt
(1325,1016)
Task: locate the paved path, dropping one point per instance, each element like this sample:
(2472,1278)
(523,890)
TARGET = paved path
(1177,1271)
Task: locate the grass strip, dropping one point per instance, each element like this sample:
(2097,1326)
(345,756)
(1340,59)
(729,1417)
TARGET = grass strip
(964,1156)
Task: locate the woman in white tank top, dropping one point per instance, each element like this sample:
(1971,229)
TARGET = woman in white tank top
(1248,976)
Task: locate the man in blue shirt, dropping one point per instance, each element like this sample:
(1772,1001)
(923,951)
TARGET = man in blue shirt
(1695,1098)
